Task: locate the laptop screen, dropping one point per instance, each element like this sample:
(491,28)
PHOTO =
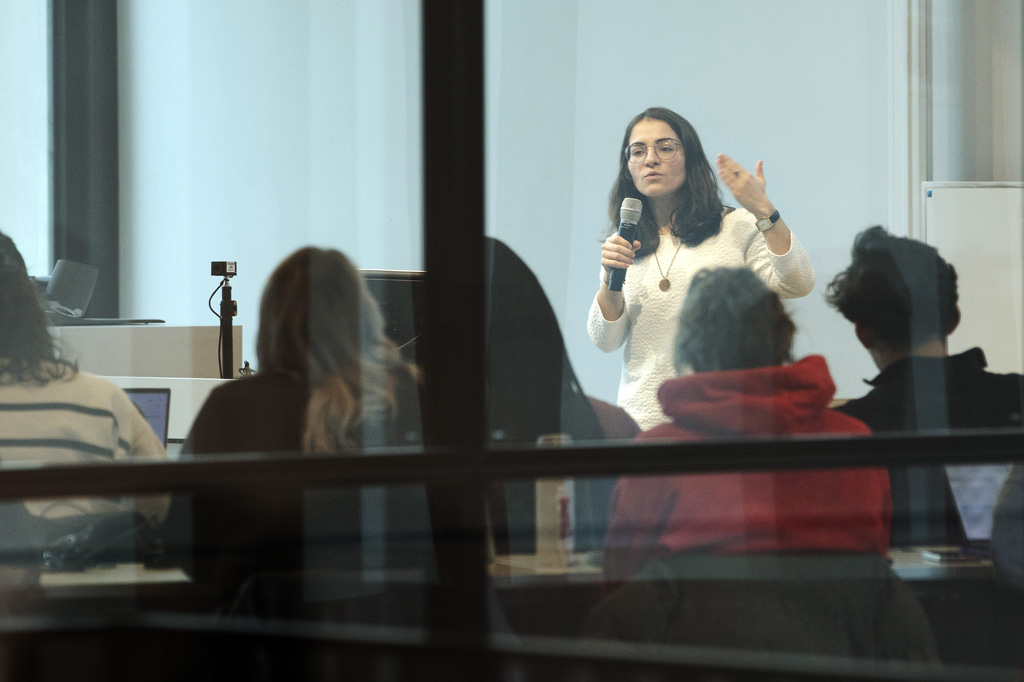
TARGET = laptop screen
(155,405)
(975,488)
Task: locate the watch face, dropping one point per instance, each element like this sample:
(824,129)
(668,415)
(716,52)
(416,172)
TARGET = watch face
(764,224)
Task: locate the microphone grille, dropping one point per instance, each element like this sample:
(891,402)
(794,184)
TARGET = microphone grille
(630,210)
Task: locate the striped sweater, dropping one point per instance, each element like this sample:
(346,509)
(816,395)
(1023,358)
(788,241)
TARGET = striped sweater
(84,419)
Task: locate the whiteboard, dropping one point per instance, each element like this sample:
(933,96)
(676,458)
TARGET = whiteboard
(978,227)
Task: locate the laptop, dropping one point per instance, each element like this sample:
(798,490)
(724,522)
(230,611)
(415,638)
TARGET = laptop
(155,405)
(68,291)
(975,489)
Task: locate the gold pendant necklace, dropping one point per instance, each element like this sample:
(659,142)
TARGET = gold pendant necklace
(665,284)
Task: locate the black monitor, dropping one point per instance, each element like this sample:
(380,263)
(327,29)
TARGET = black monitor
(399,293)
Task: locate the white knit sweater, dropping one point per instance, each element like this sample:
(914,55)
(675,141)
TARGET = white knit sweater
(648,324)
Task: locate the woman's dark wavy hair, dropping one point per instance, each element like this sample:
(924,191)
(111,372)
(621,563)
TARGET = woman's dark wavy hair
(698,212)
(28,354)
(898,287)
(732,320)
(320,325)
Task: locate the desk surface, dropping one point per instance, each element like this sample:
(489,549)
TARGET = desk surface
(120,578)
(908,563)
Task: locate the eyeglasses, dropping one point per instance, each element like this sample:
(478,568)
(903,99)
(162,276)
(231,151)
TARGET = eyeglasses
(664,149)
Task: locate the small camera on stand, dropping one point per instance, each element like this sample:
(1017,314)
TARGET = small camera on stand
(223,268)
(228,309)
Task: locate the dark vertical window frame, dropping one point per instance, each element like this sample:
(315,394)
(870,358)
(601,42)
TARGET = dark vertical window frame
(453,153)
(85,142)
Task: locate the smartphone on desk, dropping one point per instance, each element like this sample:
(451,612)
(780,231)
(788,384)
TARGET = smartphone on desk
(946,556)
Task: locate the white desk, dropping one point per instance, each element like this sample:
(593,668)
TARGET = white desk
(117,580)
(154,350)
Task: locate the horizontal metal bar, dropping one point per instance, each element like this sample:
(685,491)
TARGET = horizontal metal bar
(214,473)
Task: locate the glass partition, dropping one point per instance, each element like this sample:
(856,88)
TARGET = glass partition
(724,565)
(684,473)
(893,140)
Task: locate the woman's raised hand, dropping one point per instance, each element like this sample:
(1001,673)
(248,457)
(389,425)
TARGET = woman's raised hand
(749,190)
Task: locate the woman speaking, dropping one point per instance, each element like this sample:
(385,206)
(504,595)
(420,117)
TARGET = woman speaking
(683,229)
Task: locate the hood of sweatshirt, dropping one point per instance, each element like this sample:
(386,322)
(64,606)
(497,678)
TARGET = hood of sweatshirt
(785,399)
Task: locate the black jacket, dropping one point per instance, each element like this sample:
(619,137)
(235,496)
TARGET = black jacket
(934,395)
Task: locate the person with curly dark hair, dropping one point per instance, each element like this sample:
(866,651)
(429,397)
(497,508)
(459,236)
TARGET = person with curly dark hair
(50,411)
(902,299)
(683,229)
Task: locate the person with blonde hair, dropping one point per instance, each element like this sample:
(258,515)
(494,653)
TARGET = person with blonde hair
(329,379)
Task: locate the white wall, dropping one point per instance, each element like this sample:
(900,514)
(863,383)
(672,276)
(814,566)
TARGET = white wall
(251,128)
(25,131)
(976,90)
(800,84)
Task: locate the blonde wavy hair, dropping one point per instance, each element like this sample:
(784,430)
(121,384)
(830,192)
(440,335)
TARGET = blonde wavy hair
(319,325)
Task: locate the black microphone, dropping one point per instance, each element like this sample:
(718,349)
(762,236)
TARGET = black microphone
(629,216)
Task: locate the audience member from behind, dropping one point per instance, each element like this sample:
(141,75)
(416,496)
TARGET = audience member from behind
(735,336)
(50,412)
(767,561)
(902,299)
(55,413)
(329,379)
(533,392)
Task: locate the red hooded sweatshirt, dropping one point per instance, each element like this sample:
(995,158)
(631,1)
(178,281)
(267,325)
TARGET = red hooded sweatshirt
(832,510)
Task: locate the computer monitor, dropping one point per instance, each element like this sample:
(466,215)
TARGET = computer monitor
(400,295)
(155,405)
(975,488)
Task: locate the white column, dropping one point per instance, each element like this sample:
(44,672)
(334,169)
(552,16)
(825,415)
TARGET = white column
(908,107)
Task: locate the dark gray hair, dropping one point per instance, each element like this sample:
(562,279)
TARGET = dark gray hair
(732,320)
